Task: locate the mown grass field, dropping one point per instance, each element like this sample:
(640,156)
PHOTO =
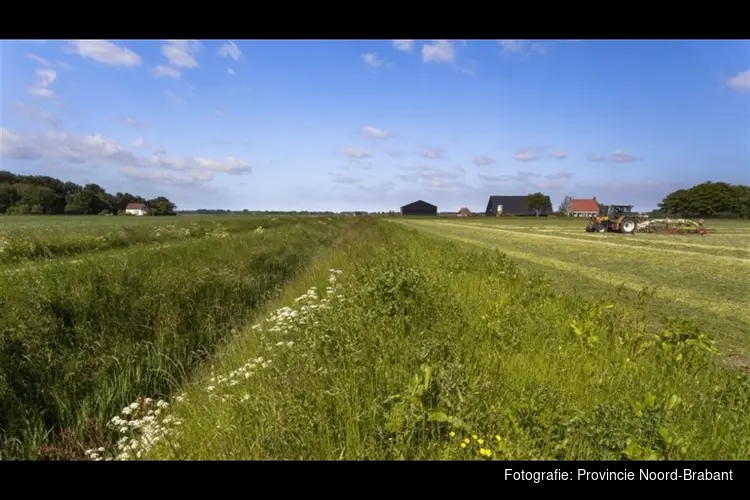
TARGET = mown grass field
(704,278)
(407,340)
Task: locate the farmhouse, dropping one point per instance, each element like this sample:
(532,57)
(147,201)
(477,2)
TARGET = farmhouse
(584,208)
(464,212)
(514,205)
(136,209)
(419,207)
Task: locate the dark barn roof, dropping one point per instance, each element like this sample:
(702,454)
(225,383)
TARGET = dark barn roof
(513,205)
(419,207)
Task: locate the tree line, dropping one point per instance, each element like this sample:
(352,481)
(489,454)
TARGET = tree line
(709,199)
(43,195)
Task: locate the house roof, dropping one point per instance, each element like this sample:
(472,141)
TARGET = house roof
(135,206)
(419,204)
(584,205)
(513,204)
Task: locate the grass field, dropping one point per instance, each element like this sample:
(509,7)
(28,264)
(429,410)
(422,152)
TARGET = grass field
(120,306)
(704,278)
(359,338)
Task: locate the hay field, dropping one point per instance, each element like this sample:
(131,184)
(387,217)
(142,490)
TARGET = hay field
(701,277)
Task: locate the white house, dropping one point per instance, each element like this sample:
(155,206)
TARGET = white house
(136,209)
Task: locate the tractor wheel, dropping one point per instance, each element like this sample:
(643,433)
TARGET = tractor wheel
(589,228)
(627,226)
(601,228)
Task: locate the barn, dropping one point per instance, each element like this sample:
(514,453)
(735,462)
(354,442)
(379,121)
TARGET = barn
(513,205)
(419,207)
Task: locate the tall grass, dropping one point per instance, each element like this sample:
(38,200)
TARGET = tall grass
(77,341)
(73,235)
(416,348)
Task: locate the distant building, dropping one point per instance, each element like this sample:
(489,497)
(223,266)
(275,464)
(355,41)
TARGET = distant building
(584,208)
(464,212)
(136,209)
(514,205)
(419,207)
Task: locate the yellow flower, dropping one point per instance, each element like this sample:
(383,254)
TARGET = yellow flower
(480,441)
(498,438)
(488,453)
(467,441)
(453,434)
(474,436)
(463,445)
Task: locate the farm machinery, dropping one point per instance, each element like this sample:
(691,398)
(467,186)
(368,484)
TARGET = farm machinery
(620,219)
(613,218)
(672,226)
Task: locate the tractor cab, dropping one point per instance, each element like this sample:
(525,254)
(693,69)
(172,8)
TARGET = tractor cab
(614,211)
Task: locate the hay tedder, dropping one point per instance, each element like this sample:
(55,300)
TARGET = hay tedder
(620,219)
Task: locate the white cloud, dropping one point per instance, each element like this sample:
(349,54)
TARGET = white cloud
(36,113)
(521,47)
(219,112)
(431,153)
(372,60)
(231,71)
(394,153)
(173,97)
(38,59)
(164,70)
(404,45)
(483,161)
(45,77)
(341,179)
(563,174)
(138,142)
(356,154)
(105,52)
(375,133)
(129,120)
(180,52)
(618,156)
(560,155)
(435,177)
(525,156)
(440,51)
(97,150)
(740,82)
(230,49)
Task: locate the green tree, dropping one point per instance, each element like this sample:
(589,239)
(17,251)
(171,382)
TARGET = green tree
(708,199)
(539,202)
(161,206)
(566,206)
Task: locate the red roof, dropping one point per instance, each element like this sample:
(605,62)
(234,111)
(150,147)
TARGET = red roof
(135,206)
(584,206)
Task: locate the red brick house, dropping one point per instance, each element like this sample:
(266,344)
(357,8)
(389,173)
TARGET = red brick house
(584,208)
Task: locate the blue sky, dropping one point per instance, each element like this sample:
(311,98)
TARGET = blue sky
(375,124)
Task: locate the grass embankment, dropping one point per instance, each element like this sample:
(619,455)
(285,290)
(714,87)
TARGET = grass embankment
(79,341)
(423,349)
(704,278)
